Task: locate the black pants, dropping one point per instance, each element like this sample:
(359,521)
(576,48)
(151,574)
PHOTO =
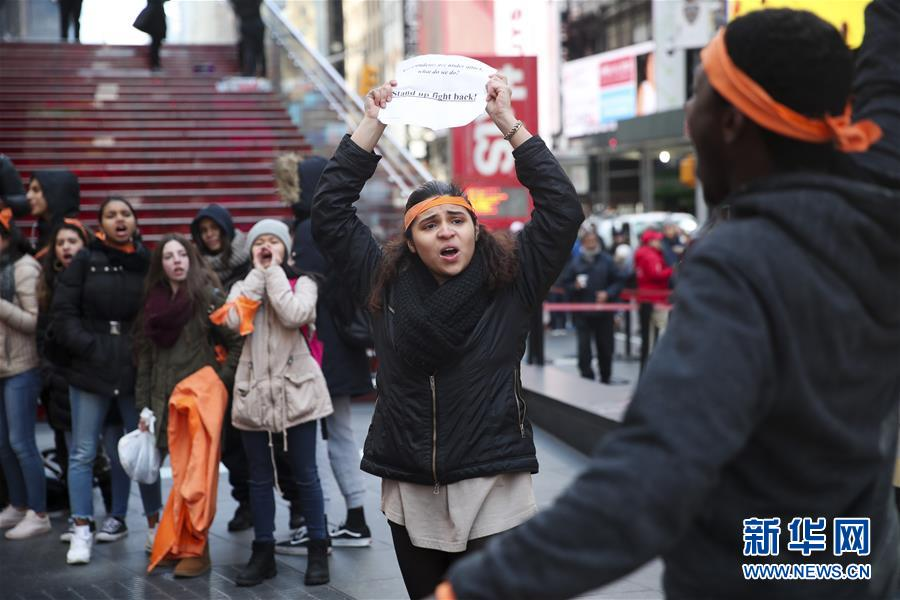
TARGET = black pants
(645,312)
(599,329)
(252,47)
(235,460)
(69,12)
(422,568)
(155,45)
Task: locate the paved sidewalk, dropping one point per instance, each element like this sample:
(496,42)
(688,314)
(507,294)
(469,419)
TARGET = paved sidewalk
(37,568)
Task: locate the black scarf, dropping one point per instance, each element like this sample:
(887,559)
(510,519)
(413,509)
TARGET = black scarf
(432,322)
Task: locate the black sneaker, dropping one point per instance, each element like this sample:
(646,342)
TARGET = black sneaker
(351,537)
(242,519)
(298,544)
(112,529)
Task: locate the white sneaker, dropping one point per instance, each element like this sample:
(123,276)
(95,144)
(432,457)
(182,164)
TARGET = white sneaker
(80,547)
(151,537)
(10,516)
(30,526)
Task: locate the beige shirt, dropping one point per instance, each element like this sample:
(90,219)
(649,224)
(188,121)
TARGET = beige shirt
(458,512)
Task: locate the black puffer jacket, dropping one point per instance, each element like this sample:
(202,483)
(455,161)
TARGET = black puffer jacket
(470,418)
(94,306)
(63,196)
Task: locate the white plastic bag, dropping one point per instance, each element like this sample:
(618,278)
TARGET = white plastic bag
(138,453)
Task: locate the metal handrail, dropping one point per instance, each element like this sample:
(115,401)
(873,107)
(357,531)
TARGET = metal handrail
(401,167)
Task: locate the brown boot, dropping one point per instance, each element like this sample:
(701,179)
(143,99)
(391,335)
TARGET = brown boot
(194,565)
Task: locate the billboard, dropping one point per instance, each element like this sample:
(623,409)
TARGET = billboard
(845,15)
(482,160)
(603,89)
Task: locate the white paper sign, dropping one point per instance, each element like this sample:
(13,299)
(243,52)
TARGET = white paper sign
(438,91)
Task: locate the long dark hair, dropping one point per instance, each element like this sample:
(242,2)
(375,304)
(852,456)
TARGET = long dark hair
(200,278)
(497,248)
(50,266)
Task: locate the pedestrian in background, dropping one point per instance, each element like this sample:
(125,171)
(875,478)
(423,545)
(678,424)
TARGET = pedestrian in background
(279,394)
(152,21)
(345,363)
(95,303)
(451,305)
(653,278)
(20,386)
(174,338)
(592,277)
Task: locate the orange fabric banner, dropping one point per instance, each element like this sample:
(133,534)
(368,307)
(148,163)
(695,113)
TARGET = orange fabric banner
(196,411)
(752,100)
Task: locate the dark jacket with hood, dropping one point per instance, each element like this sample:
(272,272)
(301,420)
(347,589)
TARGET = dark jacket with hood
(12,194)
(63,196)
(346,368)
(468,419)
(236,265)
(773,394)
(94,306)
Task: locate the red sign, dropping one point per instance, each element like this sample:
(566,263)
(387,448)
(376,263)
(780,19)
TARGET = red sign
(619,70)
(482,159)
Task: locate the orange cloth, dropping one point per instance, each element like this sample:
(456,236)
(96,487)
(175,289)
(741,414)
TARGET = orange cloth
(246,310)
(444,591)
(6,217)
(127,248)
(751,99)
(196,411)
(417,209)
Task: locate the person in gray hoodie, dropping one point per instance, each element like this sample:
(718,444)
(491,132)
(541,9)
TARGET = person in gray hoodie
(759,446)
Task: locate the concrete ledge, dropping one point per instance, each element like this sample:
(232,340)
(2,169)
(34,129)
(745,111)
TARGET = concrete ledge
(576,410)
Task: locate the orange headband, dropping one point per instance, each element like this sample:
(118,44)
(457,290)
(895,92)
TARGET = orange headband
(79,225)
(751,99)
(6,218)
(418,209)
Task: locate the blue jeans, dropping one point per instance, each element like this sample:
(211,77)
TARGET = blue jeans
(19,455)
(301,441)
(88,418)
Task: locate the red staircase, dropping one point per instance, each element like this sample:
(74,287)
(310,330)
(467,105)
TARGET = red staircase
(167,140)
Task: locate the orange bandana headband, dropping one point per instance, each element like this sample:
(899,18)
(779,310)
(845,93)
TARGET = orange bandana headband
(751,99)
(418,209)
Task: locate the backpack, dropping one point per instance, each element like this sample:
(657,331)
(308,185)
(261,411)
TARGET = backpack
(316,347)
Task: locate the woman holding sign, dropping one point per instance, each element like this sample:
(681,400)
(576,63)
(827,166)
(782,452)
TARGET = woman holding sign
(450,303)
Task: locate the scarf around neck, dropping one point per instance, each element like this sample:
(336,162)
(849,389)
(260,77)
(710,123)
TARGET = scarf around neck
(165,315)
(433,321)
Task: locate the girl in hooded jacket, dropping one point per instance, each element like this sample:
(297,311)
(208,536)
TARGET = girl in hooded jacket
(20,385)
(175,338)
(96,301)
(279,388)
(451,306)
(222,245)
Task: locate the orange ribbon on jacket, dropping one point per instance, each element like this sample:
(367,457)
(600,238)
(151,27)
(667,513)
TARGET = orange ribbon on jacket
(417,209)
(246,310)
(751,99)
(6,217)
(127,248)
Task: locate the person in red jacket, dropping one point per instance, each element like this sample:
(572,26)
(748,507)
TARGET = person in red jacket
(653,286)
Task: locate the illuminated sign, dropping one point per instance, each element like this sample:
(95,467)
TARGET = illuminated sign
(846,15)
